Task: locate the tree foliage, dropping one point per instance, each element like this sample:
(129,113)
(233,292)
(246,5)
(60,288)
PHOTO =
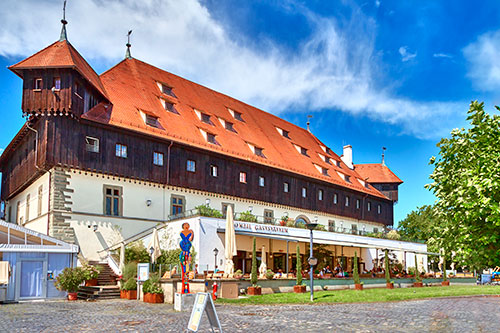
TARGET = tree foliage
(355,273)
(253,274)
(299,267)
(466,182)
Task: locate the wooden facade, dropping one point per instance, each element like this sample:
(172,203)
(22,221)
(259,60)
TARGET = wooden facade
(63,144)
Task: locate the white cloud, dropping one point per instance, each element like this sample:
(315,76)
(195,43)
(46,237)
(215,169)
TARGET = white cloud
(442,55)
(405,54)
(334,69)
(377,3)
(484,61)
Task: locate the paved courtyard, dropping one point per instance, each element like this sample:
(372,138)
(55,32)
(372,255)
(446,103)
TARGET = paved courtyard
(468,314)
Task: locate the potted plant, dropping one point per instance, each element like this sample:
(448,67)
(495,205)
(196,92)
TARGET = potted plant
(153,293)
(90,274)
(389,284)
(69,280)
(445,282)
(130,289)
(283,220)
(129,271)
(355,274)
(418,279)
(254,289)
(299,287)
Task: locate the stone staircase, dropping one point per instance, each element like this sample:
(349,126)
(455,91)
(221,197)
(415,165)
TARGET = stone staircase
(106,284)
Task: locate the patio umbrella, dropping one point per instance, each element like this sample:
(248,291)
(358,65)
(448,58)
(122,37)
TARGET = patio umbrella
(263,263)
(155,245)
(230,242)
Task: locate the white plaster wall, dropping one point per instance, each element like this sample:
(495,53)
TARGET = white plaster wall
(37,223)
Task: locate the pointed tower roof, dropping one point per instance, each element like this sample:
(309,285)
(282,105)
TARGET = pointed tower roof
(61,54)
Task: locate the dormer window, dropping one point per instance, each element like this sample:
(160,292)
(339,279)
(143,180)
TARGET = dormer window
(337,163)
(57,83)
(151,120)
(211,138)
(283,132)
(169,107)
(229,126)
(347,178)
(236,115)
(301,150)
(167,90)
(38,84)
(259,152)
(205,118)
(324,171)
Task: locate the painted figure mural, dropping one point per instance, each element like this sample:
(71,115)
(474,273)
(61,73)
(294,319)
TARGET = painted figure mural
(187,236)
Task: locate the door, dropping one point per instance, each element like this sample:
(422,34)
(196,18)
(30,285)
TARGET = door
(32,282)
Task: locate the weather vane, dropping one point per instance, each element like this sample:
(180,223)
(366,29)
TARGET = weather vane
(127,54)
(64,22)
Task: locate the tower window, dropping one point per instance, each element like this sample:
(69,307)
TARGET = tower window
(92,144)
(38,84)
(213,170)
(121,150)
(191,166)
(158,158)
(57,83)
(243,177)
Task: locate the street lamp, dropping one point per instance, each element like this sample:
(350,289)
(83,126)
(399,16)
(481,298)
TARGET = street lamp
(151,250)
(207,202)
(311,261)
(216,252)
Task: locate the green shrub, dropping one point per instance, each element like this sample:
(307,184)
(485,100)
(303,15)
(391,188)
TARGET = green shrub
(136,252)
(253,275)
(290,223)
(129,271)
(152,285)
(131,284)
(90,272)
(444,269)
(320,227)
(269,274)
(299,267)
(247,217)
(69,279)
(205,210)
(355,273)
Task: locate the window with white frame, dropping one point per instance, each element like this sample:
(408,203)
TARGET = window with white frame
(121,150)
(243,177)
(213,170)
(262,181)
(91,144)
(57,83)
(113,203)
(158,158)
(38,84)
(331,225)
(286,187)
(191,166)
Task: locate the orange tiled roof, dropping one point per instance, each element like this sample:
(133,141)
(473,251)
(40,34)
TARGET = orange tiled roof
(61,54)
(377,173)
(132,87)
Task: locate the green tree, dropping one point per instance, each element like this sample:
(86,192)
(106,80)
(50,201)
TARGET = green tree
(387,267)
(299,267)
(423,224)
(355,273)
(253,275)
(466,182)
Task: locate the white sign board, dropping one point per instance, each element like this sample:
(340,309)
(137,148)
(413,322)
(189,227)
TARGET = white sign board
(203,303)
(142,272)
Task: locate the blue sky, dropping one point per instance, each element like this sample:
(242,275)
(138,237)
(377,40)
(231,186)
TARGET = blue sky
(398,74)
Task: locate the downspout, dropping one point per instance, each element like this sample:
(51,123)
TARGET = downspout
(36,144)
(168,179)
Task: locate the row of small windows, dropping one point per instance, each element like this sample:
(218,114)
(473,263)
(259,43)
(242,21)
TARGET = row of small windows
(38,83)
(191,167)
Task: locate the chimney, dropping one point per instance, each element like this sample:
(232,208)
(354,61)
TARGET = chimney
(347,156)
(383,155)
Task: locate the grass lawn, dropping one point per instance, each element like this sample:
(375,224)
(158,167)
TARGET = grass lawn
(366,296)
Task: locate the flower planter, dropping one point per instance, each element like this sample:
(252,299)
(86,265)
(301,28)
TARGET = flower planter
(123,293)
(72,296)
(389,285)
(91,283)
(445,283)
(418,284)
(299,289)
(359,286)
(254,291)
(131,294)
(153,298)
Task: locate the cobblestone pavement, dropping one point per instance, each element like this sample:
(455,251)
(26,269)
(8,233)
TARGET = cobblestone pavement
(467,314)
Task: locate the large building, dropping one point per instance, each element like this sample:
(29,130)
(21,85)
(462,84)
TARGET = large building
(104,158)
